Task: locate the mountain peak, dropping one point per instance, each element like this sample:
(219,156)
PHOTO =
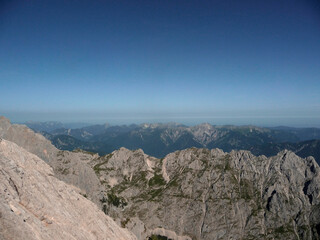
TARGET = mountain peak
(3,118)
(4,121)
(161,125)
(205,125)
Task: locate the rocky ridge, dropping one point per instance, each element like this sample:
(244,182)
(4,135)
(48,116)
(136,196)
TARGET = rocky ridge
(210,194)
(36,205)
(70,167)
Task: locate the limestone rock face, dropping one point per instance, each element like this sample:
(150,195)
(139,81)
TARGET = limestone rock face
(209,194)
(26,138)
(206,133)
(36,205)
(71,167)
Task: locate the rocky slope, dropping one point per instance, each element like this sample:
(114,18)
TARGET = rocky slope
(209,194)
(70,167)
(194,193)
(36,205)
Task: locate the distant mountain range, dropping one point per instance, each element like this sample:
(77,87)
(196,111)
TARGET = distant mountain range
(160,139)
(52,125)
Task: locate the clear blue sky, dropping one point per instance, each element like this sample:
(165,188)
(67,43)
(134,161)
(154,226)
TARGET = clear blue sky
(102,60)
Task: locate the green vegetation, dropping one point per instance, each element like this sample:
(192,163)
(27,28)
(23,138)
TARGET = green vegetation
(246,189)
(157,180)
(173,182)
(60,153)
(66,161)
(280,230)
(83,151)
(104,209)
(84,195)
(103,200)
(116,201)
(63,171)
(124,222)
(284,230)
(97,168)
(155,193)
(227,162)
(158,237)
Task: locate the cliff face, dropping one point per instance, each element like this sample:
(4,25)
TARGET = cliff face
(36,205)
(70,167)
(28,139)
(209,194)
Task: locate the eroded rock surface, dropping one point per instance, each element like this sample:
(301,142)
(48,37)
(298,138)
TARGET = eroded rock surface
(70,167)
(36,205)
(209,194)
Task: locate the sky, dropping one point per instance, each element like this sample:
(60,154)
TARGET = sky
(220,61)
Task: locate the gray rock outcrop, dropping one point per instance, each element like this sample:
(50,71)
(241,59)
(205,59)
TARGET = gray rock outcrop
(36,205)
(71,167)
(209,194)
